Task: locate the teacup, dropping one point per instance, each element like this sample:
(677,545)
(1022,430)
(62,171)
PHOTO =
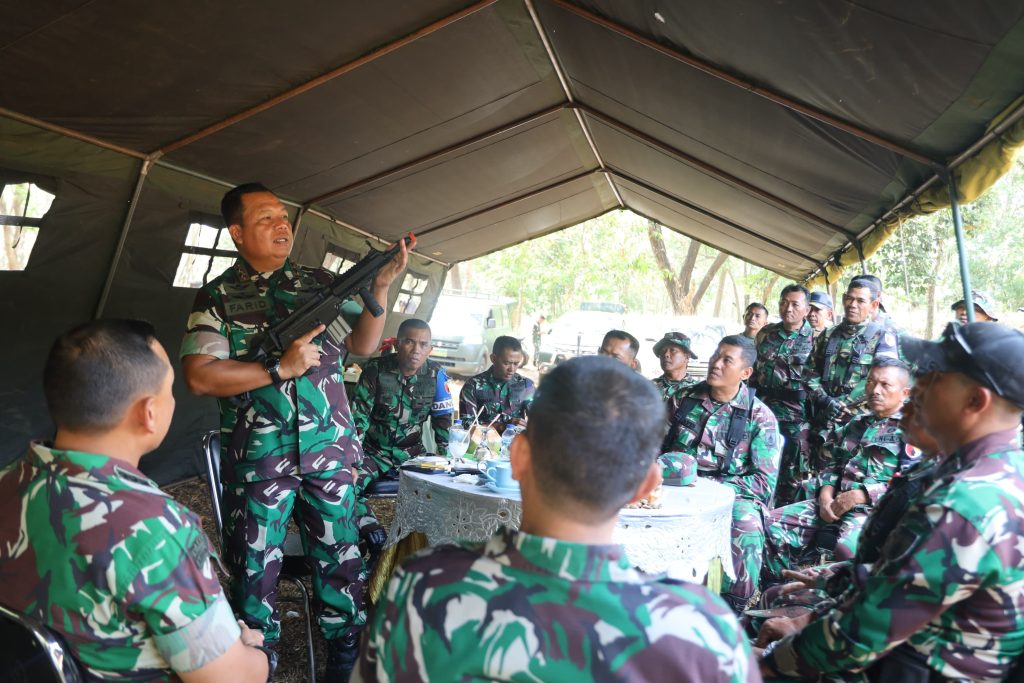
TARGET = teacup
(499,473)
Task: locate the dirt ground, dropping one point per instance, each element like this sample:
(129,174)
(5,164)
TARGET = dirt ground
(292,666)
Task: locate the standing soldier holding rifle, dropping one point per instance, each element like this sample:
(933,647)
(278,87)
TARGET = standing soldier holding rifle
(256,342)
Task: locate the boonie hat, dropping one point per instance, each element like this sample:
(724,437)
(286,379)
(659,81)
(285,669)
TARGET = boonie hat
(821,300)
(983,301)
(986,352)
(677,338)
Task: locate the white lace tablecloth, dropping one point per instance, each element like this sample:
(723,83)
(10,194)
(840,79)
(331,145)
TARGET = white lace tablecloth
(680,539)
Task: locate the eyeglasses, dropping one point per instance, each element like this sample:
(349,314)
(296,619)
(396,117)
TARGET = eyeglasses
(954,333)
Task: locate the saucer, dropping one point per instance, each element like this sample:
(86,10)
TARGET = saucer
(490,485)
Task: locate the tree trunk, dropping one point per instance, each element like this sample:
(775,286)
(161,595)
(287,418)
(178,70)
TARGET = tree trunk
(455,277)
(768,290)
(736,296)
(720,292)
(929,330)
(675,296)
(708,277)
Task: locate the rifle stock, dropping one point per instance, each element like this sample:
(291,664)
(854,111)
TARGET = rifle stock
(322,307)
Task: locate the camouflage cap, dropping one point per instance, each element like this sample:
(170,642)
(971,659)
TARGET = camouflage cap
(983,301)
(677,338)
(986,352)
(821,300)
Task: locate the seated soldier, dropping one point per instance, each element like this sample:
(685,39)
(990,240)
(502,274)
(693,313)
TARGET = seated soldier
(984,308)
(735,440)
(819,587)
(395,395)
(944,600)
(558,600)
(92,548)
(502,393)
(820,313)
(674,354)
(622,346)
(868,452)
(754,318)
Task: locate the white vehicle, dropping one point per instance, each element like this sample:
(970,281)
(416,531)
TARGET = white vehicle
(704,334)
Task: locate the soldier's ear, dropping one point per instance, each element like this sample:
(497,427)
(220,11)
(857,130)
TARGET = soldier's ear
(650,482)
(146,414)
(746,373)
(521,455)
(235,231)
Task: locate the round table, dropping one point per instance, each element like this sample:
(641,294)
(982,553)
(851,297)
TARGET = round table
(682,538)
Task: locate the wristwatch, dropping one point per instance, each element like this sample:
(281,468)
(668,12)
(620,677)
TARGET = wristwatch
(272,364)
(271,661)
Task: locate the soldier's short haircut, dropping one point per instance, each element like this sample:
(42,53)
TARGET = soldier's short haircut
(505,342)
(96,370)
(595,428)
(868,282)
(231,204)
(622,335)
(890,362)
(789,289)
(757,304)
(745,345)
(411,324)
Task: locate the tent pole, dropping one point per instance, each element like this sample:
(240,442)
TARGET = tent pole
(143,173)
(961,248)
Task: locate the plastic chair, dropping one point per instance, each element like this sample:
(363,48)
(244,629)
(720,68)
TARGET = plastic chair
(294,564)
(32,653)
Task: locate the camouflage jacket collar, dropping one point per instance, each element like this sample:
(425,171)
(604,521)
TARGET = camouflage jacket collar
(569,561)
(85,467)
(668,381)
(805,330)
(992,443)
(246,273)
(389,363)
(741,400)
(848,329)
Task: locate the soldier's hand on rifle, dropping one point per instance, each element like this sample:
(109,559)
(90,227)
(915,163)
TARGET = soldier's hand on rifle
(301,355)
(387,274)
(834,409)
(778,628)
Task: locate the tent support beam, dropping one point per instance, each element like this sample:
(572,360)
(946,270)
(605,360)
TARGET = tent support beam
(1011,119)
(961,247)
(770,95)
(147,164)
(570,99)
(513,200)
(367,58)
(68,132)
(714,216)
(458,146)
(712,170)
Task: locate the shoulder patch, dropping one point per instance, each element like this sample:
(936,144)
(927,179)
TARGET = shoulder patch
(199,550)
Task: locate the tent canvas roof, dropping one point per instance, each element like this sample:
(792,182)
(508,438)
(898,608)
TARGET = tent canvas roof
(777,132)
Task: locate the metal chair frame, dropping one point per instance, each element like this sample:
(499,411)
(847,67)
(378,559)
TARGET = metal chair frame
(211,454)
(60,663)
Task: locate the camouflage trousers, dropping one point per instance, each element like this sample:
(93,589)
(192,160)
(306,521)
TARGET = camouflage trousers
(795,466)
(256,518)
(747,551)
(793,533)
(370,470)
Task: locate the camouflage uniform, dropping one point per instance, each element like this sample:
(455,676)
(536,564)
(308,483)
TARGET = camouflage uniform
(95,550)
(283,446)
(868,452)
(673,389)
(781,376)
(527,608)
(703,432)
(388,411)
(500,399)
(948,585)
(842,359)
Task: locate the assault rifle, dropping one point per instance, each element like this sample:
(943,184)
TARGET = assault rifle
(322,307)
